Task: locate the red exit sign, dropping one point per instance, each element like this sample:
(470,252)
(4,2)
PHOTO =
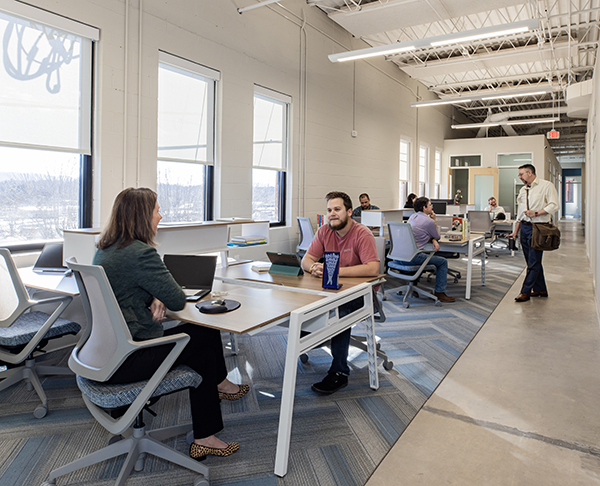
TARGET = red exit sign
(553,134)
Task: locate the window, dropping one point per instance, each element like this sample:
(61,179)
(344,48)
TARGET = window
(514,160)
(404,170)
(270,155)
(438,173)
(186,133)
(45,126)
(465,161)
(423,155)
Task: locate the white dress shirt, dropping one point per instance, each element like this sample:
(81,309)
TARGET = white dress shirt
(496,210)
(542,195)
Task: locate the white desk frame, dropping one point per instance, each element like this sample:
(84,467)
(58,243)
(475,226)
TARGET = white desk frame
(474,246)
(323,321)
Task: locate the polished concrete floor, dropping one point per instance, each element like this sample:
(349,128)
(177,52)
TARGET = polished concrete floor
(522,404)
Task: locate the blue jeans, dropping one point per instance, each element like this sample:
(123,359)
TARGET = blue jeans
(534,280)
(441,272)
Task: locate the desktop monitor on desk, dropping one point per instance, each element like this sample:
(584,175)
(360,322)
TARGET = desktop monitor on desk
(439,207)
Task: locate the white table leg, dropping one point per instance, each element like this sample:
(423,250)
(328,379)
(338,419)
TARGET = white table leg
(483,264)
(287,397)
(469,269)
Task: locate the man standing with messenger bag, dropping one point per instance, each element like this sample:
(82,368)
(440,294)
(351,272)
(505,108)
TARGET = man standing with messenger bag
(537,200)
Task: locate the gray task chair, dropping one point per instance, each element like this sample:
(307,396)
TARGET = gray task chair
(105,345)
(481,222)
(24,331)
(306,235)
(403,249)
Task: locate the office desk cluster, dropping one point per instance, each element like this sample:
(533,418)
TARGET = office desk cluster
(267,301)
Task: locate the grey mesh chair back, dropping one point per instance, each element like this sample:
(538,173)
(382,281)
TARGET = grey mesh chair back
(480,222)
(107,341)
(22,330)
(306,234)
(402,250)
(403,246)
(15,298)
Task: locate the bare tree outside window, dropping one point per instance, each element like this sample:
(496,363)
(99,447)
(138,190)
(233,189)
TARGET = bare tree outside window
(39,194)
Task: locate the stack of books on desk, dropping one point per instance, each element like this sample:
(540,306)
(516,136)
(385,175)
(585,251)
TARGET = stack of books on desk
(247,240)
(261,267)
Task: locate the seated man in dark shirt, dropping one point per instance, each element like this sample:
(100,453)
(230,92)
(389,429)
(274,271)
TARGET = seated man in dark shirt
(365,203)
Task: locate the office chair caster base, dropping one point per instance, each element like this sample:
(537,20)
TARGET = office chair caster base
(48,483)
(114,439)
(406,305)
(201,481)
(40,411)
(438,304)
(304,358)
(388,365)
(378,346)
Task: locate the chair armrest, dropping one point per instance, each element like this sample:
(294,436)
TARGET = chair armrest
(51,300)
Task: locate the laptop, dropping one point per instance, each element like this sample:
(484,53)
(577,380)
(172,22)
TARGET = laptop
(51,259)
(194,273)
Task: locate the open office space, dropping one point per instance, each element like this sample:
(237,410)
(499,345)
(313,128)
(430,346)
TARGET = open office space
(250,115)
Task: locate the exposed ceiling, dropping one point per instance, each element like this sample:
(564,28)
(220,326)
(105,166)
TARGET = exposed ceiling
(560,53)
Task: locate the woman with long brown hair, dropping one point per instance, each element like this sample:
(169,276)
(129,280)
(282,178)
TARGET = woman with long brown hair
(144,289)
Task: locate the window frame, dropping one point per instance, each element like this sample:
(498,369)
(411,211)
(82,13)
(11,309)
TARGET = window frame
(282,178)
(423,185)
(403,193)
(86,122)
(213,77)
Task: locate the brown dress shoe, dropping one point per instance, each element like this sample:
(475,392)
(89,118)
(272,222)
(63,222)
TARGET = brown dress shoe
(522,297)
(442,297)
(539,294)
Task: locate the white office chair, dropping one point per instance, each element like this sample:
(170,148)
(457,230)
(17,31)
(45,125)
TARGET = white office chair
(24,331)
(104,346)
(403,249)
(306,235)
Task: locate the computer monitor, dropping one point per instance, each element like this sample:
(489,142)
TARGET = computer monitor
(439,207)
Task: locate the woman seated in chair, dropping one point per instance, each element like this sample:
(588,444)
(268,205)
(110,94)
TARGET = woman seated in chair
(144,289)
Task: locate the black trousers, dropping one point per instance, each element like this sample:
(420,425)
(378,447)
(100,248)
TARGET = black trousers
(204,354)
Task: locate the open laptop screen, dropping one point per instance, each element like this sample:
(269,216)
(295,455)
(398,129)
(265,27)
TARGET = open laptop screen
(50,259)
(194,272)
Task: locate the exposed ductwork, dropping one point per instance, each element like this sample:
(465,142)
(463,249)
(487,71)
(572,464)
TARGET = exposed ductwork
(506,115)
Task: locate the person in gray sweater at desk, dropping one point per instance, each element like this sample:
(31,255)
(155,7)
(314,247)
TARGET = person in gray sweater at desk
(425,229)
(144,289)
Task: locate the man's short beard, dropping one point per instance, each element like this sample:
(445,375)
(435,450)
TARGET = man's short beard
(339,228)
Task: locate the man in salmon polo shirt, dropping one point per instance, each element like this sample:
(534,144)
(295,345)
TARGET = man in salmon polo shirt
(358,258)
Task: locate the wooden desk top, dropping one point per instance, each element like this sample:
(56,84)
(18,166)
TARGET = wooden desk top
(305,282)
(259,308)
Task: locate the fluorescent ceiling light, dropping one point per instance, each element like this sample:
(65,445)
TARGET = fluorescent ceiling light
(440,40)
(475,125)
(532,121)
(371,52)
(505,94)
(421,104)
(261,4)
(514,95)
(486,32)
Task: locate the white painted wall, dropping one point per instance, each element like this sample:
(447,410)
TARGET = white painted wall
(591,182)
(266,46)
